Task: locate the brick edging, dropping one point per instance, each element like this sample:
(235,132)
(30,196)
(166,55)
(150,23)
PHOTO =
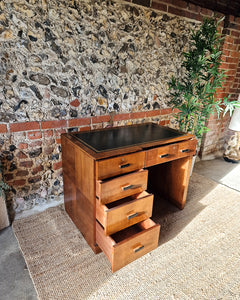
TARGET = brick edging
(182,8)
(37,126)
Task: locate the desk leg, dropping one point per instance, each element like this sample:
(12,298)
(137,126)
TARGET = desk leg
(170,180)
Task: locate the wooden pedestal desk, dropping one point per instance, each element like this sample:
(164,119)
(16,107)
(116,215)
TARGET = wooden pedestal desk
(106,175)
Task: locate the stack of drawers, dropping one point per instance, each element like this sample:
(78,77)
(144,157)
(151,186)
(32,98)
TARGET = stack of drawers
(105,186)
(124,230)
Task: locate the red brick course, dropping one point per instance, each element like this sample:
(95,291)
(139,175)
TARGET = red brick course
(180,3)
(84,128)
(120,117)
(165,111)
(152,113)
(159,6)
(182,8)
(100,119)
(194,8)
(3,128)
(137,115)
(79,122)
(26,126)
(53,124)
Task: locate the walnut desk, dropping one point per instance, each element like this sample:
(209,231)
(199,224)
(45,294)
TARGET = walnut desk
(107,175)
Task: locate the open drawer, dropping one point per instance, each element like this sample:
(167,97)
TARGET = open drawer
(129,244)
(123,213)
(120,187)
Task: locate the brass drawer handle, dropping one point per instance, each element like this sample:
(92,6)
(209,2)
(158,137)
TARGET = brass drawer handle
(185,150)
(128,187)
(164,155)
(132,216)
(124,166)
(138,248)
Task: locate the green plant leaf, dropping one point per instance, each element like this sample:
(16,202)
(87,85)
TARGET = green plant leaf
(194,94)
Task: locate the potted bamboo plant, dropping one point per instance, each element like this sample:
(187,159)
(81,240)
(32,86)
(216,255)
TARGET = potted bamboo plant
(194,94)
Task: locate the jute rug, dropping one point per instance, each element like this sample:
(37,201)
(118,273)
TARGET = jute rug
(198,256)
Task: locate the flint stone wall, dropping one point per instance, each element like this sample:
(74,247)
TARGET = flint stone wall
(66,60)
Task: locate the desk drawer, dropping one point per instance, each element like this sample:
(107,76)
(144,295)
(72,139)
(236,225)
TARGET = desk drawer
(129,244)
(120,187)
(161,154)
(124,213)
(187,148)
(119,165)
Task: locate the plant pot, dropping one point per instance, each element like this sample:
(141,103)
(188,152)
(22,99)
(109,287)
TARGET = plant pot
(4,221)
(193,163)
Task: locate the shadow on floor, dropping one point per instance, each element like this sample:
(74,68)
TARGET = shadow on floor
(174,220)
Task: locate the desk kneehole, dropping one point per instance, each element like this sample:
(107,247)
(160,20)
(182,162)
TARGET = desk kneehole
(129,244)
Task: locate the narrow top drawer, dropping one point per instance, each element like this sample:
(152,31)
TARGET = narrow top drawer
(187,148)
(161,154)
(119,165)
(170,152)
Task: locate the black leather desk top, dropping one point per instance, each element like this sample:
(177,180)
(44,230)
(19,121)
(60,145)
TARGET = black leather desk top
(120,137)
